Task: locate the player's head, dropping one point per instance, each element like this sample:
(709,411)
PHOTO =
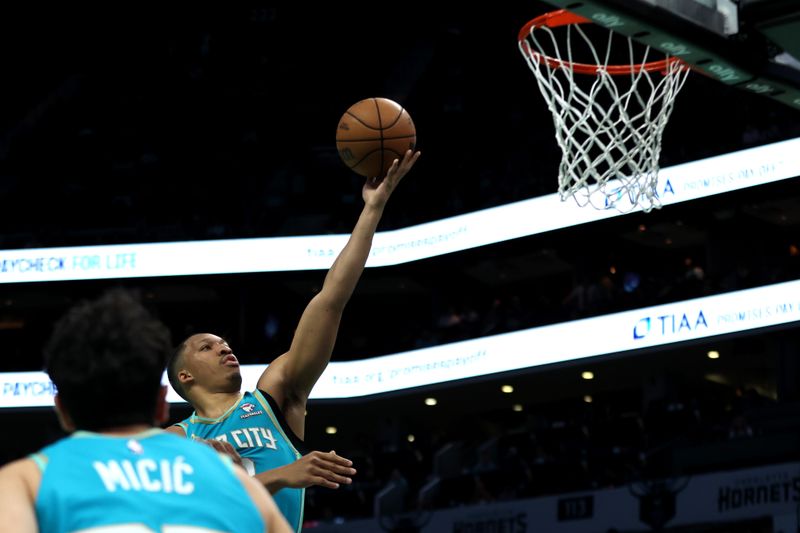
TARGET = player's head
(106,358)
(203,361)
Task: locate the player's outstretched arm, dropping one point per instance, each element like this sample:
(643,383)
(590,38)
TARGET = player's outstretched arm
(290,378)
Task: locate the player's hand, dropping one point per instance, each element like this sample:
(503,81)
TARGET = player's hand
(225,448)
(325,469)
(376,191)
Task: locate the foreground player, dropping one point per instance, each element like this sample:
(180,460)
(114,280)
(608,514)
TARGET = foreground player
(117,472)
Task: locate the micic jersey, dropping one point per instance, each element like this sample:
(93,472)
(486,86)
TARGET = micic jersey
(149,482)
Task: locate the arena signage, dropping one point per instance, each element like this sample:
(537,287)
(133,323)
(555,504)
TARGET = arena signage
(660,325)
(681,183)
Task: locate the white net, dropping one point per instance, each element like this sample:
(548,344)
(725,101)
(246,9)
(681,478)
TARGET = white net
(609,126)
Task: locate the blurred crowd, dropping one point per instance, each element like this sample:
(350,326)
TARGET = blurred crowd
(552,449)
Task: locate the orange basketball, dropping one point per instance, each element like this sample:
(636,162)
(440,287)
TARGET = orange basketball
(373,133)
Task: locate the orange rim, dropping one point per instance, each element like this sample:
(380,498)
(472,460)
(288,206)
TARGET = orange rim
(562,17)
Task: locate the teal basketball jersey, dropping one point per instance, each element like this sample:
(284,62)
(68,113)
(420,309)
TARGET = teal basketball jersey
(150,482)
(255,430)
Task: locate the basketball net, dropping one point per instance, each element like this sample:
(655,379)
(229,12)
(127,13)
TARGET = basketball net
(609,119)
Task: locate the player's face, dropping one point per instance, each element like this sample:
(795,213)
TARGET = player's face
(211,360)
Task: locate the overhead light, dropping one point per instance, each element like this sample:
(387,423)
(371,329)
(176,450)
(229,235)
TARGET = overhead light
(587,375)
(331,430)
(587,398)
(517,407)
(430,401)
(713,354)
(508,389)
(411,437)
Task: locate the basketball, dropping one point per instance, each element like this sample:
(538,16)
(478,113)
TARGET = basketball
(372,134)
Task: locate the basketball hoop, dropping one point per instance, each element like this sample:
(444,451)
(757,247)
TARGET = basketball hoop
(609,118)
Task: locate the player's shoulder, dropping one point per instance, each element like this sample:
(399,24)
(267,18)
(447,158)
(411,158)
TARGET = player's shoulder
(23,471)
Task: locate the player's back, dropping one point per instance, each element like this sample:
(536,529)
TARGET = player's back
(147,482)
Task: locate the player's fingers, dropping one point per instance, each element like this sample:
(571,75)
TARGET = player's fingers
(224,448)
(338,469)
(320,458)
(393,169)
(331,476)
(230,450)
(336,459)
(339,480)
(322,482)
(220,446)
(409,159)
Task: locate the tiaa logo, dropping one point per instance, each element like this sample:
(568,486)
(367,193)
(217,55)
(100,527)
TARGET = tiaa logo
(667,325)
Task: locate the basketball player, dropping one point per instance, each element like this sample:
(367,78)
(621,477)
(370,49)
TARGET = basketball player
(267,425)
(117,472)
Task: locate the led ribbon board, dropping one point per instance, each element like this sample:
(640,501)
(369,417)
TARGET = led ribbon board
(660,325)
(681,183)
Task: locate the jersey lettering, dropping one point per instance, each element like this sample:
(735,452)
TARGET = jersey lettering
(251,438)
(144,474)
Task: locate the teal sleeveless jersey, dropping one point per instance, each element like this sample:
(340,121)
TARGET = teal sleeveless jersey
(252,428)
(144,483)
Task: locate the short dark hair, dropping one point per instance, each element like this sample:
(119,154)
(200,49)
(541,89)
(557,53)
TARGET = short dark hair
(173,363)
(106,358)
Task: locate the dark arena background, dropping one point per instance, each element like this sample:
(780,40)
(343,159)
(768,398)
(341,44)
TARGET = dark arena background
(171,123)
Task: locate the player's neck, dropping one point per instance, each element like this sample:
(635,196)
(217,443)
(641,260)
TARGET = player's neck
(215,404)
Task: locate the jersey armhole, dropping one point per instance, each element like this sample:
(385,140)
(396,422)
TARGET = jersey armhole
(40,459)
(297,442)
